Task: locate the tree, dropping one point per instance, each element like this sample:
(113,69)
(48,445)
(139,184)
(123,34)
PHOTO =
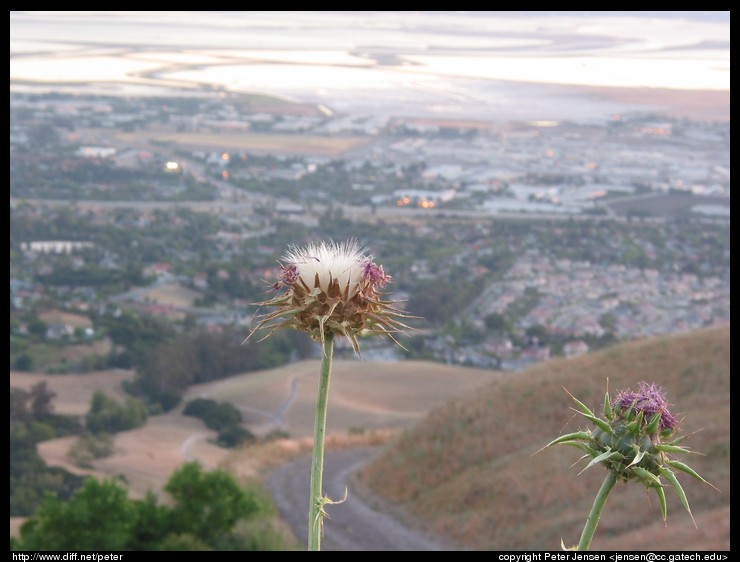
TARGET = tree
(107,415)
(538,332)
(99,517)
(497,322)
(216,415)
(207,505)
(41,398)
(37,328)
(234,436)
(24,363)
(18,405)
(151,523)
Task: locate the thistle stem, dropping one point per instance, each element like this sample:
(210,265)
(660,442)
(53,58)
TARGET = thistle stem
(315,510)
(593,518)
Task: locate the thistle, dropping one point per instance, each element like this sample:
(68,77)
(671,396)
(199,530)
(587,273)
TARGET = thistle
(635,442)
(331,289)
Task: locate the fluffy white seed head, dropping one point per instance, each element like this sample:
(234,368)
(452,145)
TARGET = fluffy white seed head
(344,261)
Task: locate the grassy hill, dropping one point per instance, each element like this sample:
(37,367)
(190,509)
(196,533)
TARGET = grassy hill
(467,468)
(364,396)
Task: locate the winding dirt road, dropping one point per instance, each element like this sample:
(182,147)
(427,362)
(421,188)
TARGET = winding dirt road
(353,525)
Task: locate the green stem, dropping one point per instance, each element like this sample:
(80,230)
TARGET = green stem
(595,515)
(315,510)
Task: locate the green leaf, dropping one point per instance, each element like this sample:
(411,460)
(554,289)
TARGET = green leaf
(601,424)
(578,435)
(636,424)
(603,457)
(579,460)
(647,477)
(671,477)
(665,448)
(661,499)
(638,456)
(668,432)
(608,412)
(678,465)
(652,425)
(582,446)
(581,406)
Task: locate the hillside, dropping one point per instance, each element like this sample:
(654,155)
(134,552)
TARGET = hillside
(467,468)
(364,396)
(74,392)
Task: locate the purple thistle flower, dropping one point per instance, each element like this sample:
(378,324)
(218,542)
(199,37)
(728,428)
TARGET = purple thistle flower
(375,275)
(650,400)
(289,274)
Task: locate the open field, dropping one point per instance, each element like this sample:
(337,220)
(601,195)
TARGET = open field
(74,392)
(363,394)
(240,142)
(147,456)
(54,355)
(468,468)
(370,398)
(74,320)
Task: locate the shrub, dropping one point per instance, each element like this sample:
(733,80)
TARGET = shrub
(216,415)
(107,415)
(90,447)
(276,435)
(235,436)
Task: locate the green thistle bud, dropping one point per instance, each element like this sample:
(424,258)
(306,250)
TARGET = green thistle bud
(632,440)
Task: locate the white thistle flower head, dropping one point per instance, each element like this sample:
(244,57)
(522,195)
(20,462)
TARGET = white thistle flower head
(332,288)
(343,263)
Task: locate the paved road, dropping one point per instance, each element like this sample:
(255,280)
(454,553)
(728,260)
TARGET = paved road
(353,525)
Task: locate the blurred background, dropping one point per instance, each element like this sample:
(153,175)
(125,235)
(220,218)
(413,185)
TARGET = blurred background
(550,192)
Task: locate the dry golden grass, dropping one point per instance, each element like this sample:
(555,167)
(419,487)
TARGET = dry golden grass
(15,525)
(289,144)
(376,397)
(147,456)
(253,462)
(74,320)
(75,353)
(74,392)
(468,468)
(363,394)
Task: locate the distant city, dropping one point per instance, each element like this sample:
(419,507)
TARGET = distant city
(98,184)
(539,184)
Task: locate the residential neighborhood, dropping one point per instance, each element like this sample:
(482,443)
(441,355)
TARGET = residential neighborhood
(570,235)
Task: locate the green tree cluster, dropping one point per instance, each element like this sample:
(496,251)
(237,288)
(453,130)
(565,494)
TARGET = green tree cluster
(203,513)
(200,357)
(224,417)
(109,416)
(216,415)
(89,447)
(32,420)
